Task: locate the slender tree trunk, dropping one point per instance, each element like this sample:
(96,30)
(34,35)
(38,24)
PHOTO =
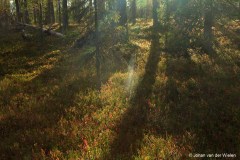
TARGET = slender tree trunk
(98,65)
(34,15)
(239,9)
(101,8)
(148,13)
(47,13)
(134,11)
(52,15)
(90,7)
(59,13)
(4,13)
(122,9)
(18,11)
(26,15)
(41,20)
(208,24)
(154,13)
(49,17)
(65,15)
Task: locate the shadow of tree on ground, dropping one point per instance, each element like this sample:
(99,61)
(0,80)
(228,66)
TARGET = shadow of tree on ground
(131,127)
(201,99)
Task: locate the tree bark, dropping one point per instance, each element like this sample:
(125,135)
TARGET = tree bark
(65,15)
(26,15)
(41,20)
(134,11)
(52,15)
(34,15)
(208,24)
(59,13)
(49,17)
(122,9)
(154,13)
(239,9)
(101,8)
(18,11)
(98,65)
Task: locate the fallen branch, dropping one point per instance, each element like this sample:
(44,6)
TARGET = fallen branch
(47,31)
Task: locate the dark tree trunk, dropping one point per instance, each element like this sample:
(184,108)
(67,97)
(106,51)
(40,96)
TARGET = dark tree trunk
(59,13)
(4,13)
(154,13)
(26,15)
(97,45)
(208,24)
(41,20)
(134,11)
(122,9)
(47,13)
(49,17)
(52,15)
(101,8)
(65,15)
(239,9)
(18,11)
(34,15)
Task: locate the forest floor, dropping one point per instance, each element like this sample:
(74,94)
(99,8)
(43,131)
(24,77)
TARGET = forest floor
(156,106)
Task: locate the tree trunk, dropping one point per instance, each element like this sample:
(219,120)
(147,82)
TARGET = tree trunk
(98,65)
(52,15)
(49,17)
(148,13)
(18,11)
(122,9)
(59,13)
(101,8)
(65,15)
(239,9)
(208,24)
(154,13)
(40,20)
(134,10)
(26,15)
(4,13)
(34,15)
(47,13)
